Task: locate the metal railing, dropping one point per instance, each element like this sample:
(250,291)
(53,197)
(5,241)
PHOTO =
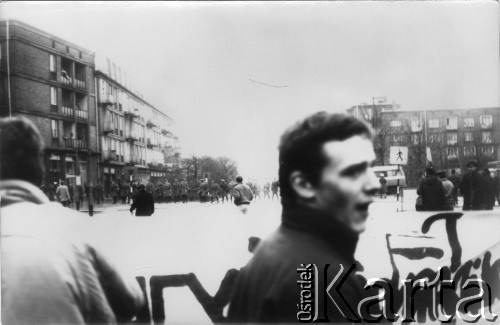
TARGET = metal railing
(68,111)
(80,113)
(74,143)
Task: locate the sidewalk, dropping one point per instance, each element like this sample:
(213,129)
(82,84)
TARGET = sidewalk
(98,208)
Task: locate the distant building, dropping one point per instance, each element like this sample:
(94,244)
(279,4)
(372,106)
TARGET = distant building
(135,135)
(113,134)
(51,82)
(453,137)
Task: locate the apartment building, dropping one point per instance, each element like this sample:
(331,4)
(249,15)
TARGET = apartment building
(136,137)
(446,138)
(51,81)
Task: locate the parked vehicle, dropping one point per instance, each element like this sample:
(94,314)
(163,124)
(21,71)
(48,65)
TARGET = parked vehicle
(394,175)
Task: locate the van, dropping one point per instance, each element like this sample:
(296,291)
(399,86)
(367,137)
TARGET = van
(392,174)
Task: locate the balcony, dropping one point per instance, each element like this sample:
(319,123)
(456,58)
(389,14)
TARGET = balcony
(150,124)
(131,138)
(80,84)
(110,155)
(80,113)
(67,111)
(150,144)
(67,80)
(108,128)
(134,160)
(130,115)
(74,143)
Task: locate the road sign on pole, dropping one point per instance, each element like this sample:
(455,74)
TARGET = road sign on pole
(398,155)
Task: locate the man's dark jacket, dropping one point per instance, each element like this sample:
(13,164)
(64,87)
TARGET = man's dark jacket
(432,191)
(143,203)
(267,289)
(474,191)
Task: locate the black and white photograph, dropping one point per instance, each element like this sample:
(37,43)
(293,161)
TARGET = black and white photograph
(200,162)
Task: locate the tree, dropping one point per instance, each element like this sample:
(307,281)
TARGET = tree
(215,168)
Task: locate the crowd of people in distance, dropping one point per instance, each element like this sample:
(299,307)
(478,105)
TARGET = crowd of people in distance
(161,191)
(439,192)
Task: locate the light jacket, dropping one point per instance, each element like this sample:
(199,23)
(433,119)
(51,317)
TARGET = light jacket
(242,194)
(49,274)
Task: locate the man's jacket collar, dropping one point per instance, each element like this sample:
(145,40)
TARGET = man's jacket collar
(323,227)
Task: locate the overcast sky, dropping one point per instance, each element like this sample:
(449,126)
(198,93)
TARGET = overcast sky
(235,75)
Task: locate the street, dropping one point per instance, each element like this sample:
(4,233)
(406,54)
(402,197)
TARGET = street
(209,239)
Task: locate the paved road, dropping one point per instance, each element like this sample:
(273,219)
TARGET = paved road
(208,239)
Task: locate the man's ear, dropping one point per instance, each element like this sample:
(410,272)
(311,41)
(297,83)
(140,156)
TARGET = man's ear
(301,185)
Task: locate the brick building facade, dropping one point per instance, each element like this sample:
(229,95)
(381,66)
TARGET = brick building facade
(51,82)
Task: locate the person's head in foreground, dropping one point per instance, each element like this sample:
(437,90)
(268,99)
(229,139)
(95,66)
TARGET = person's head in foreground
(325,164)
(21,149)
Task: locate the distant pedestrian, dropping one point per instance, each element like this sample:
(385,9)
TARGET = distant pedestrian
(224,190)
(214,191)
(449,201)
(78,196)
(89,190)
(489,183)
(267,190)
(99,193)
(143,203)
(184,190)
(432,191)
(51,192)
(115,191)
(473,188)
(383,187)
(176,191)
(62,194)
(274,188)
(242,195)
(496,180)
(455,180)
(124,192)
(203,191)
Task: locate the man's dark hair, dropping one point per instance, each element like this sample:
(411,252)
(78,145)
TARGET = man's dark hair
(301,145)
(472,163)
(239,179)
(430,171)
(21,149)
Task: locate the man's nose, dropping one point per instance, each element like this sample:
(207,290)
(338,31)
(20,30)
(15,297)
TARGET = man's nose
(372,182)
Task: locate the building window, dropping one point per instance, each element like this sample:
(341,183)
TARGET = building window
(434,123)
(53,96)
(451,138)
(452,152)
(416,138)
(468,137)
(434,138)
(451,123)
(416,125)
(54,129)
(486,137)
(469,151)
(469,122)
(52,63)
(487,151)
(486,121)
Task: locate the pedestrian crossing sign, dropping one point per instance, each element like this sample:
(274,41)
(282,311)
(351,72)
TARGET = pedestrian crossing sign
(398,155)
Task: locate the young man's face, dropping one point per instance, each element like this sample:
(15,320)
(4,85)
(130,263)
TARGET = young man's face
(347,182)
